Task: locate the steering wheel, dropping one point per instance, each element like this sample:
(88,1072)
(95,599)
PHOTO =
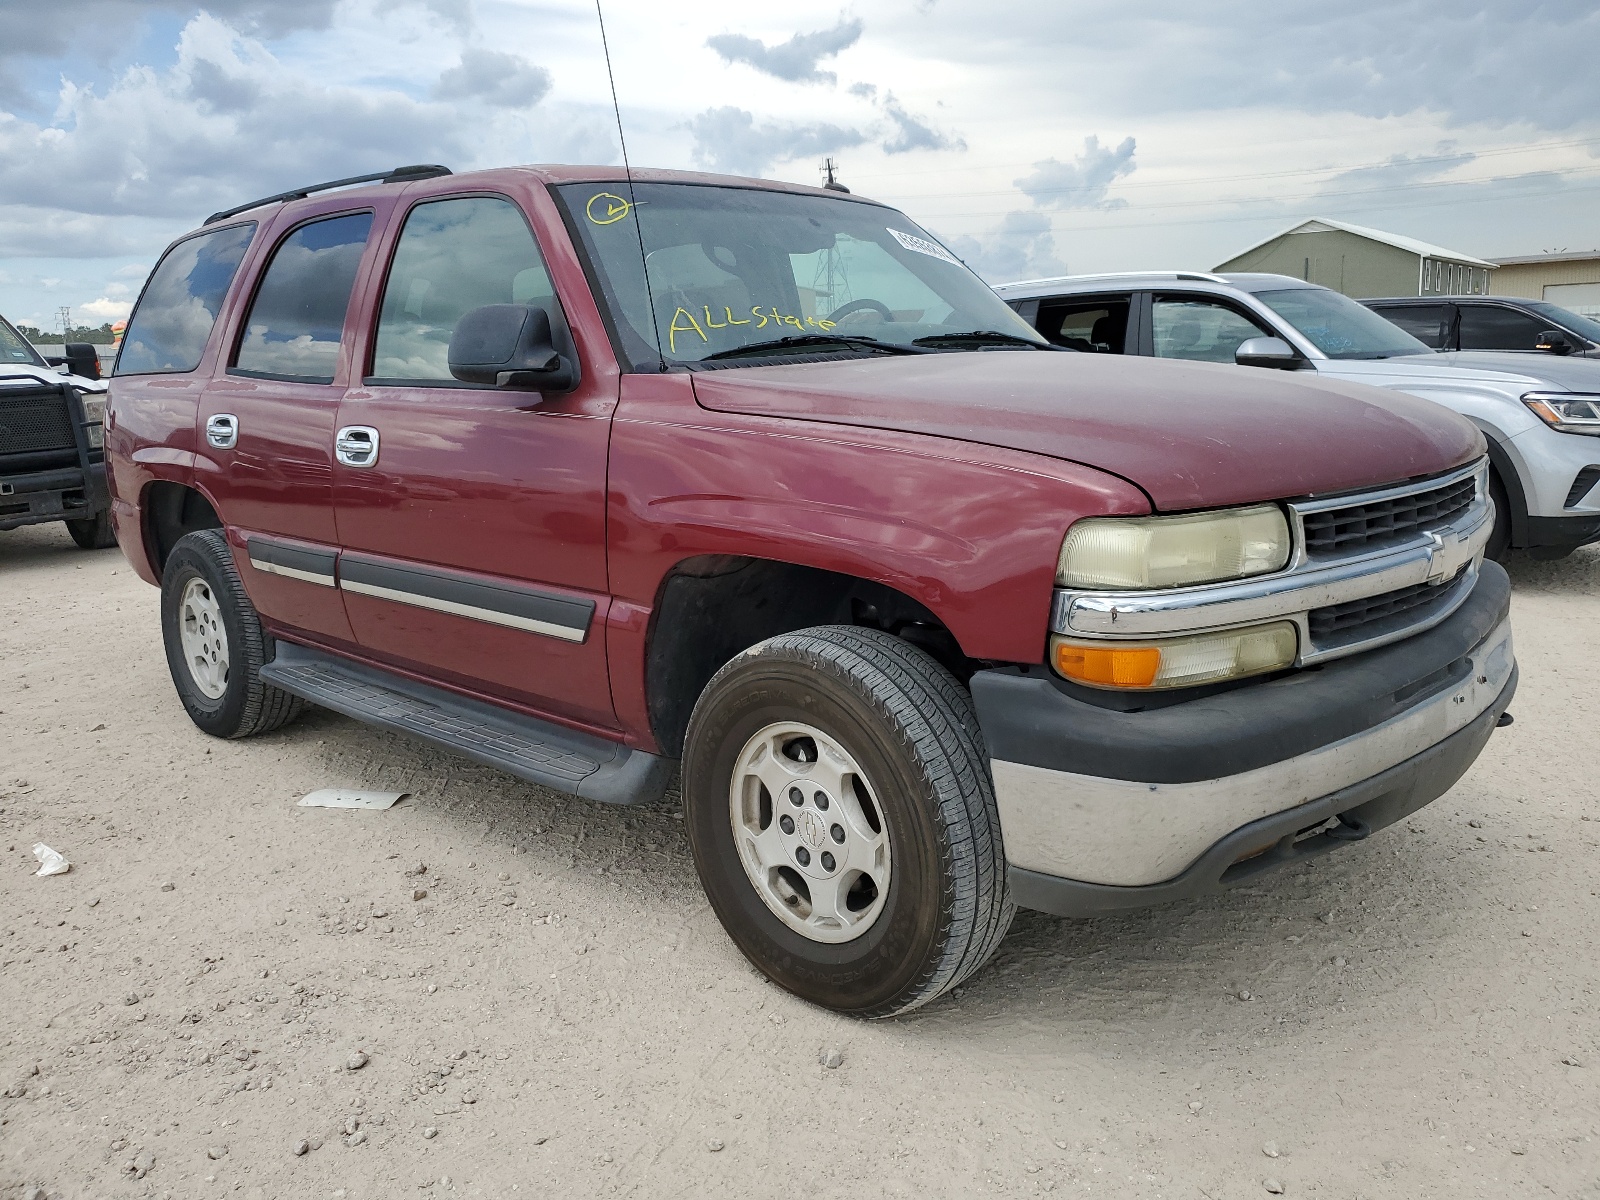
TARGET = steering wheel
(855,306)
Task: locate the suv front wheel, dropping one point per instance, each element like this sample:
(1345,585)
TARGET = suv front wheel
(215,644)
(843,821)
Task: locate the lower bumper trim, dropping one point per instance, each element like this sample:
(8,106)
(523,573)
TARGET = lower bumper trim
(1349,814)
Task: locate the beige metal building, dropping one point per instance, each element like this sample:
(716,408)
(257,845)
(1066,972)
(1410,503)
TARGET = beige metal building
(1363,262)
(1570,280)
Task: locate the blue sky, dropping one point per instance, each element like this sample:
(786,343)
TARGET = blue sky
(1034,138)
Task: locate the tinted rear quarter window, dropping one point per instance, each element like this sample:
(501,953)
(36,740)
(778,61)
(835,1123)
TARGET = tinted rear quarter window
(173,321)
(1422,321)
(296,320)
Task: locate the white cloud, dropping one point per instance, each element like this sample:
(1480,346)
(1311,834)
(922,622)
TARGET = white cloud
(104,309)
(1085,181)
(494,77)
(728,139)
(794,60)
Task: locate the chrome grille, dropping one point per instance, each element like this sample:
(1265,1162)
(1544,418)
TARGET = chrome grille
(1340,620)
(1356,526)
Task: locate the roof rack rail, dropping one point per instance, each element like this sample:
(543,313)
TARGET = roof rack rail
(398,175)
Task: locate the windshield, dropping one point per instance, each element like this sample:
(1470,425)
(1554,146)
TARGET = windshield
(1583,326)
(1338,326)
(14,348)
(732,267)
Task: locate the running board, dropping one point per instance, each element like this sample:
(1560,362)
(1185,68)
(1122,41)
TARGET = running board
(538,751)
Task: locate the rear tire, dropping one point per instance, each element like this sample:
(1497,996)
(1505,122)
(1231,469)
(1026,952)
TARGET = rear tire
(1499,545)
(812,708)
(93,533)
(215,644)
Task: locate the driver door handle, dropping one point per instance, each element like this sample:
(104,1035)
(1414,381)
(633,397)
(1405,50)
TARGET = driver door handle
(222,431)
(356,446)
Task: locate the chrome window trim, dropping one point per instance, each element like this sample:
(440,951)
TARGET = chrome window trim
(1448,555)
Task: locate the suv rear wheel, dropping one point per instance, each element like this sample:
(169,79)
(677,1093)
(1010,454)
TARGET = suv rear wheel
(843,820)
(215,644)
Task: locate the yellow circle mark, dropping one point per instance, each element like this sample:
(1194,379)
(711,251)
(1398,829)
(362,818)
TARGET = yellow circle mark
(606,209)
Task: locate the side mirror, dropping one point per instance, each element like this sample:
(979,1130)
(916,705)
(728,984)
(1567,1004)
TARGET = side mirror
(510,345)
(1553,341)
(1267,352)
(82,360)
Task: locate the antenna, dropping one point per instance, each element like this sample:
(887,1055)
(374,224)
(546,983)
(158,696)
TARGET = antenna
(833,184)
(633,205)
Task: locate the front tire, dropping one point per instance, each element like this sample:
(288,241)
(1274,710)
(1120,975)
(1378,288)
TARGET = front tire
(93,533)
(843,821)
(1498,546)
(215,644)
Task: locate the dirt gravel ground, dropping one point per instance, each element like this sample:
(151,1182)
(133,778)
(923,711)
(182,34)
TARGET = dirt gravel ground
(550,1008)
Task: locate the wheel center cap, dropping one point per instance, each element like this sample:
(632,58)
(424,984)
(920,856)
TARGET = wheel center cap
(813,829)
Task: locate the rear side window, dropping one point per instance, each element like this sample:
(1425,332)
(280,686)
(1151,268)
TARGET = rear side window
(172,323)
(1098,325)
(453,256)
(1424,322)
(297,318)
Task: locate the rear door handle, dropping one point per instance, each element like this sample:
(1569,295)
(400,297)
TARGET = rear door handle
(222,431)
(356,446)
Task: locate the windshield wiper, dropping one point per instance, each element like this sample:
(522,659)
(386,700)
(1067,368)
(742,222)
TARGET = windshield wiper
(990,337)
(805,340)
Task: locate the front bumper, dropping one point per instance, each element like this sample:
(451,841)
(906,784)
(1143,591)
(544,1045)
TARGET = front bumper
(1105,809)
(59,494)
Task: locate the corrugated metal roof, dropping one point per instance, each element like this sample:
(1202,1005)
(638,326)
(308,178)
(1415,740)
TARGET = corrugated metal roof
(1410,245)
(1561,257)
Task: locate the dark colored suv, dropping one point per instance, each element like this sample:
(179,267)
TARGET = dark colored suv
(597,479)
(1492,323)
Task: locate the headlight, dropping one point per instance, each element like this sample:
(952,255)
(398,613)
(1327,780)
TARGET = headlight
(1177,662)
(1568,413)
(1162,552)
(94,409)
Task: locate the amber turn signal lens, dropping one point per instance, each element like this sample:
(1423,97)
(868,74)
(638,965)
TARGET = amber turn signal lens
(1108,666)
(1177,661)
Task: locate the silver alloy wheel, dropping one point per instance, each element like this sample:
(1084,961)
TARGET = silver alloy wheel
(204,638)
(810,832)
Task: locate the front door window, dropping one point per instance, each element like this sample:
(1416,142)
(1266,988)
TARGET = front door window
(1199,330)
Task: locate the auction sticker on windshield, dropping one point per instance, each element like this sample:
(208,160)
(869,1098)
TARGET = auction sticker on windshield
(923,246)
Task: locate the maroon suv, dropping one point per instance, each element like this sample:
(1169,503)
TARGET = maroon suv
(597,480)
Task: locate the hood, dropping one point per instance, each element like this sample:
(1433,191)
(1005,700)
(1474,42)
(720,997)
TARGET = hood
(1549,371)
(89,387)
(1192,435)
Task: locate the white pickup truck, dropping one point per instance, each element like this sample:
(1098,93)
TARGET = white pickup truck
(52,432)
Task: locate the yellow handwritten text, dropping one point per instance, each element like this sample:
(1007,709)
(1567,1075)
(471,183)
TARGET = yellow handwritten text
(684,321)
(674,329)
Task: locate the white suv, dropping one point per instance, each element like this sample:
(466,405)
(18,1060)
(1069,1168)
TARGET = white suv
(1546,480)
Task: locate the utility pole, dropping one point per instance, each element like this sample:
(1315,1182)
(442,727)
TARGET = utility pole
(64,315)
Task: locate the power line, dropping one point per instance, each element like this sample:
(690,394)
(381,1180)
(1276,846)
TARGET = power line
(1300,198)
(1489,152)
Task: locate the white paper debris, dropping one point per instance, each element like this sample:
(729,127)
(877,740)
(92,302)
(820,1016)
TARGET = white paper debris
(351,798)
(51,861)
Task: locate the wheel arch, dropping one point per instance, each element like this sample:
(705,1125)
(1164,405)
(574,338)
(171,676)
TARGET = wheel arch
(168,511)
(710,608)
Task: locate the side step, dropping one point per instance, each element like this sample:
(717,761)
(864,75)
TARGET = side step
(538,751)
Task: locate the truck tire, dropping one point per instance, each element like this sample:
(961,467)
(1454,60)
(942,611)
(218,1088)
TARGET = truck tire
(93,533)
(843,822)
(1499,543)
(215,644)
